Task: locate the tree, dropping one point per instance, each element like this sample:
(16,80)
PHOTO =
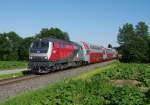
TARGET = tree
(5,47)
(66,36)
(53,32)
(141,50)
(15,41)
(9,45)
(142,30)
(23,53)
(125,34)
(125,39)
(134,42)
(149,48)
(142,33)
(14,47)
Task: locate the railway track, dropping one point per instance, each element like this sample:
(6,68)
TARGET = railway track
(30,76)
(17,79)
(14,86)
(14,80)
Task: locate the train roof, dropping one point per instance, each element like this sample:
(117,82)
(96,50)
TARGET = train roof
(51,39)
(89,44)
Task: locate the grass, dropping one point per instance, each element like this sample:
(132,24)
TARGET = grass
(139,72)
(92,88)
(95,71)
(6,76)
(12,64)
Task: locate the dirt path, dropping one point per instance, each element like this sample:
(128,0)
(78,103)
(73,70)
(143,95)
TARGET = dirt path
(12,71)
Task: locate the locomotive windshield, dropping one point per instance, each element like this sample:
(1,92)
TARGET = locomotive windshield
(39,47)
(40,44)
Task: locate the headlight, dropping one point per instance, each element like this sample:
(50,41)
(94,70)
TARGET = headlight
(45,57)
(30,57)
(77,55)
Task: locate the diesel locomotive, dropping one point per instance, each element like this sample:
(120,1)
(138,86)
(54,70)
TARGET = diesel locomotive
(50,54)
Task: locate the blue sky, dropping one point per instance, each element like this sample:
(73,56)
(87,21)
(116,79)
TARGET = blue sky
(95,21)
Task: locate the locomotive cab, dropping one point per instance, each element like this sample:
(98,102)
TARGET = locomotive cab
(39,53)
(51,54)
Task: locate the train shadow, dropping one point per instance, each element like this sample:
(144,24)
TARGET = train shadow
(28,72)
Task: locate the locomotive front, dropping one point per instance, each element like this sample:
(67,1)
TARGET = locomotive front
(39,53)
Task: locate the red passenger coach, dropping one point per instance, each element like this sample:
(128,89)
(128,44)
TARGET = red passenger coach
(110,53)
(96,54)
(92,53)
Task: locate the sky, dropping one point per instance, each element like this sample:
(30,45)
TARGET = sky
(93,21)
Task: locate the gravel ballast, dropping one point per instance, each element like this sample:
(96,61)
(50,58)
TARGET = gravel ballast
(9,90)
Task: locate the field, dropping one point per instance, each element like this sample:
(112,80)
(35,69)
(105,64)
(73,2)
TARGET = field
(12,64)
(115,84)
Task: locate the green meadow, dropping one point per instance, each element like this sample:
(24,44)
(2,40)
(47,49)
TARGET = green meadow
(12,64)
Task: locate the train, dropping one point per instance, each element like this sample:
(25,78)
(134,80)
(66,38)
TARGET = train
(50,54)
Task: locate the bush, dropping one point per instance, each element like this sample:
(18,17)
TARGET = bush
(127,96)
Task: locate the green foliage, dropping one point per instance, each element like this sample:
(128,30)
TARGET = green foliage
(142,30)
(15,41)
(14,47)
(140,72)
(149,47)
(70,92)
(9,46)
(5,47)
(96,89)
(23,53)
(125,33)
(53,32)
(134,42)
(127,96)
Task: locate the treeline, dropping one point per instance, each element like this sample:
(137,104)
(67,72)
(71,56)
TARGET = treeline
(134,43)
(14,47)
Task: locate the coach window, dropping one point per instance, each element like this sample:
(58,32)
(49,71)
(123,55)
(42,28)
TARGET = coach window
(88,51)
(62,45)
(56,45)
